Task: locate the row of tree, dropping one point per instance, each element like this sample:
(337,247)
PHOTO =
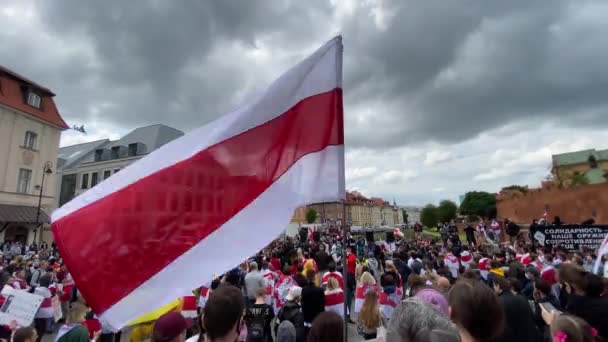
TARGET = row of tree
(475,204)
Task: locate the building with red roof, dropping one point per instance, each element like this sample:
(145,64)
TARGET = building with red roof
(30,129)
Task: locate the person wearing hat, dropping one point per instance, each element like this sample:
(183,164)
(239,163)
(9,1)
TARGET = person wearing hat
(291,312)
(170,327)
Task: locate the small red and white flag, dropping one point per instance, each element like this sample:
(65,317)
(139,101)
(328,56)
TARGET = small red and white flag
(198,205)
(334,301)
(388,303)
(189,307)
(360,295)
(335,275)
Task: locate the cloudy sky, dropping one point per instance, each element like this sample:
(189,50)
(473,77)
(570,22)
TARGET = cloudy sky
(441,97)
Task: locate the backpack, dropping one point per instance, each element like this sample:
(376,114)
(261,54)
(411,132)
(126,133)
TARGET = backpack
(256,329)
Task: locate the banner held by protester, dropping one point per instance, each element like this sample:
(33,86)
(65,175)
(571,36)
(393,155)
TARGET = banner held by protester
(571,237)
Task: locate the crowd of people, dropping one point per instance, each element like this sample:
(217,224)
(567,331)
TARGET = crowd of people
(395,290)
(418,290)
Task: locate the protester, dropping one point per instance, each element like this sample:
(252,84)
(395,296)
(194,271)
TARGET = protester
(414,320)
(327,327)
(331,273)
(291,312)
(258,317)
(313,300)
(222,316)
(351,283)
(519,320)
(73,330)
(476,311)
(568,328)
(45,312)
(470,233)
(170,327)
(25,334)
(334,297)
(370,318)
(434,298)
(286,332)
(592,308)
(254,280)
(366,283)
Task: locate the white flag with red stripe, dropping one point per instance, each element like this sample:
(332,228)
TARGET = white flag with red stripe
(334,301)
(200,204)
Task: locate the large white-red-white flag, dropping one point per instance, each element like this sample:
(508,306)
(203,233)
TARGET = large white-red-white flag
(200,204)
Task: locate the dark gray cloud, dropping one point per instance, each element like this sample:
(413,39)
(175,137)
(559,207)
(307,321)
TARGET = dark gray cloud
(422,71)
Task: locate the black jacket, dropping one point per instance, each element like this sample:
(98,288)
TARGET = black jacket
(519,321)
(594,310)
(322,259)
(313,302)
(403,270)
(291,312)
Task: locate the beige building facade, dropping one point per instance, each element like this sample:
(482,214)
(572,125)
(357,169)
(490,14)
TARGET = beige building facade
(83,166)
(30,129)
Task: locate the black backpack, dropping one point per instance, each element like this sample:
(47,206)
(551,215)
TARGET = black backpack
(256,330)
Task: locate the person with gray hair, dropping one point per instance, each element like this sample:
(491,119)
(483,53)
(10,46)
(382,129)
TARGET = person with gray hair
(286,332)
(414,320)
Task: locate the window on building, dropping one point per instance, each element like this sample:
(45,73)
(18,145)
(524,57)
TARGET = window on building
(132,150)
(30,140)
(33,99)
(114,152)
(107,174)
(84,184)
(116,170)
(98,155)
(94,179)
(25,179)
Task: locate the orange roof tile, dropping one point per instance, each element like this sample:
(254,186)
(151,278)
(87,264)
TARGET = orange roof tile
(11,96)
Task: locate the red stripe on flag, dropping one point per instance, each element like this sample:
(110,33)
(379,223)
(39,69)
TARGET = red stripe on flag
(334,298)
(115,244)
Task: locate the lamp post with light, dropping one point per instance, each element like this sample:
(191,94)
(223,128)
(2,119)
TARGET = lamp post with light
(46,170)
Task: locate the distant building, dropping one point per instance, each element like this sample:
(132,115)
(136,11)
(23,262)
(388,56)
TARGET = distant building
(413,214)
(592,164)
(30,127)
(360,211)
(83,166)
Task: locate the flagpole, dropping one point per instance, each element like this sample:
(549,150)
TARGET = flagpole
(343,185)
(344,268)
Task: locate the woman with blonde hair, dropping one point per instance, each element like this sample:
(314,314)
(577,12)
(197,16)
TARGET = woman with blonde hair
(366,283)
(334,297)
(73,330)
(367,279)
(370,318)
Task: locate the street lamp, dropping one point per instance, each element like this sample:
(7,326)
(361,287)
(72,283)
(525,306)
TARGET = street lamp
(46,170)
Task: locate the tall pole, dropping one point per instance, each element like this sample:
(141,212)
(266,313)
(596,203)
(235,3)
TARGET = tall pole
(39,203)
(344,267)
(45,169)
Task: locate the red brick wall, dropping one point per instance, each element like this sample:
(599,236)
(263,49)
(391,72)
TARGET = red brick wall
(571,205)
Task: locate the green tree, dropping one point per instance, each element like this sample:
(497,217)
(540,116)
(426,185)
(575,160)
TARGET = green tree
(404,216)
(428,216)
(311,215)
(479,203)
(578,179)
(446,211)
(522,189)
